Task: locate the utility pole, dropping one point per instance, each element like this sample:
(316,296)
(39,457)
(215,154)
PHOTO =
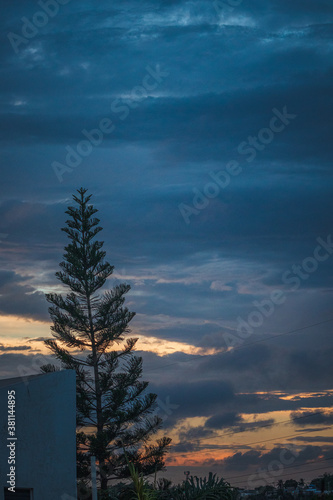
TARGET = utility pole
(93,478)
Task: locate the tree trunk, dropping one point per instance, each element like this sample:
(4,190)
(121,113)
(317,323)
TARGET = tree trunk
(99,415)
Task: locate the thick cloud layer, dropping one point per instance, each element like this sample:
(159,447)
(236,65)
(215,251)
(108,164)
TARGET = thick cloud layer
(214,189)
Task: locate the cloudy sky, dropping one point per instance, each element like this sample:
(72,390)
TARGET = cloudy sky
(203,130)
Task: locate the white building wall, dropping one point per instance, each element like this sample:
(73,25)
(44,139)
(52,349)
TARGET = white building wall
(45,431)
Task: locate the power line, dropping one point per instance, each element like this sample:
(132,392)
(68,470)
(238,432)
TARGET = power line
(200,441)
(265,440)
(285,333)
(289,466)
(266,425)
(287,473)
(272,424)
(258,442)
(200,356)
(194,358)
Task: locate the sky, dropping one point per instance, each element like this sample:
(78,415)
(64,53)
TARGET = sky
(203,131)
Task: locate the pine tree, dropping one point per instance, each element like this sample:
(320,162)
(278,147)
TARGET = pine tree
(114,411)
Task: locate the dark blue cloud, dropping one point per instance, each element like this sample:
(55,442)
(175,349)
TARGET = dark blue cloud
(304,418)
(225,72)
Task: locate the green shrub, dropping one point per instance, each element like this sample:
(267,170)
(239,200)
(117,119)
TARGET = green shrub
(196,488)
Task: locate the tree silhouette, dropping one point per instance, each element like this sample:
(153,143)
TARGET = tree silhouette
(114,411)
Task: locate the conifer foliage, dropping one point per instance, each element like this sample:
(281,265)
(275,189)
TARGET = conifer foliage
(115,413)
